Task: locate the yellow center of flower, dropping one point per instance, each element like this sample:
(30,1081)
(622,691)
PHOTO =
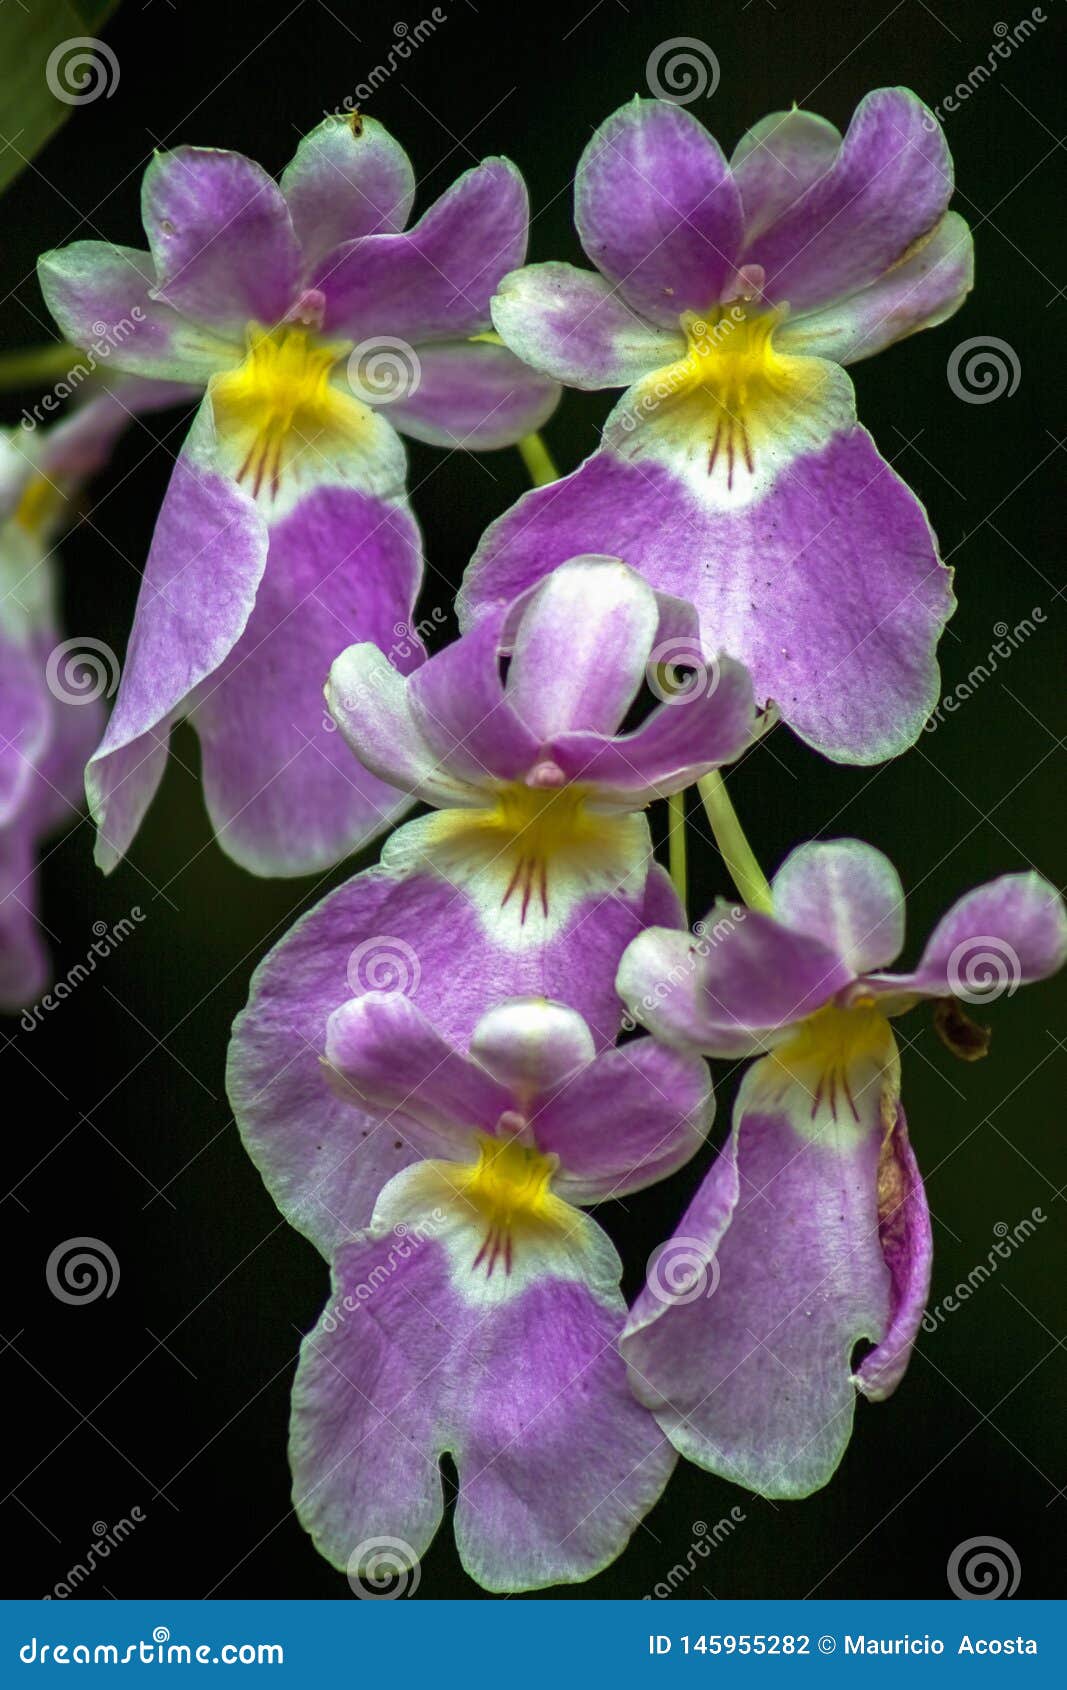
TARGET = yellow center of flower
(39,505)
(733,390)
(509,1188)
(835,1054)
(279,404)
(515,843)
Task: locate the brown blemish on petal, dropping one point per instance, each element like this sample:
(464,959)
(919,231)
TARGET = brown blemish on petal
(965,1038)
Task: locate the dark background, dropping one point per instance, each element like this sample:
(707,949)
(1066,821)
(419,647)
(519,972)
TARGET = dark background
(172,1394)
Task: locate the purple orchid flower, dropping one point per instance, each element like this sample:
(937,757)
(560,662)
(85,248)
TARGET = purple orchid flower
(812,1224)
(51,712)
(538,792)
(727,298)
(533,876)
(285,533)
(480,1311)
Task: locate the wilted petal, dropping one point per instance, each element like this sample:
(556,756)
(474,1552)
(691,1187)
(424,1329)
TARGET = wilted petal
(907,1245)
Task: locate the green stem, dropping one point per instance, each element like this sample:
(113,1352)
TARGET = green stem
(737,853)
(535,456)
(676,846)
(37,364)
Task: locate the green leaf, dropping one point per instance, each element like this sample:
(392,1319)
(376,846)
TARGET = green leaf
(51,61)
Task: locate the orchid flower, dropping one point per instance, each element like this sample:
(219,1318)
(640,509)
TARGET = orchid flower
(539,792)
(532,878)
(812,1227)
(479,1312)
(305,311)
(727,299)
